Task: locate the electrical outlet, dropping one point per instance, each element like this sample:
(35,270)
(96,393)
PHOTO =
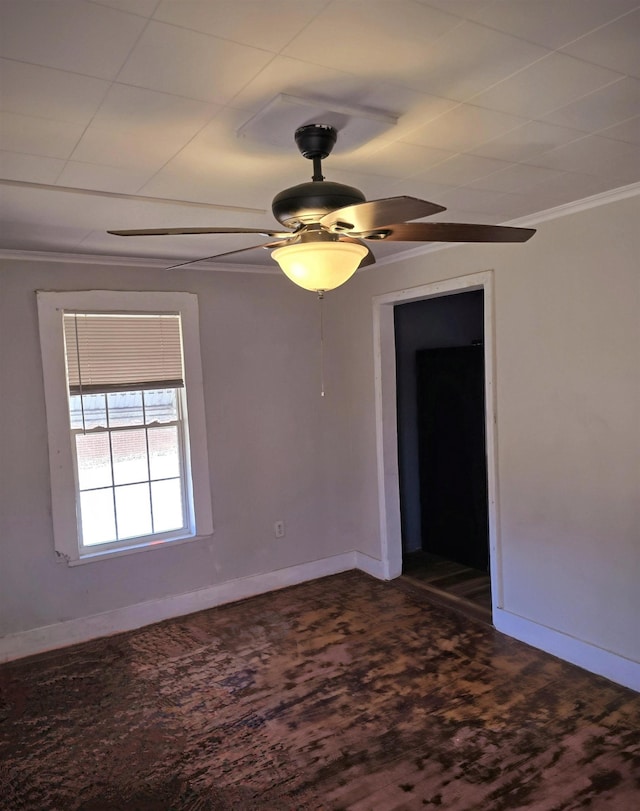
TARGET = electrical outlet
(278,529)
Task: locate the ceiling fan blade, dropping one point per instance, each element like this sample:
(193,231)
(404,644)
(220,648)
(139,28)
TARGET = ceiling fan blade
(228,253)
(377,213)
(170,232)
(449,232)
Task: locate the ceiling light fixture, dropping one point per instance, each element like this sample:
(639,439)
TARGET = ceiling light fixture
(322,265)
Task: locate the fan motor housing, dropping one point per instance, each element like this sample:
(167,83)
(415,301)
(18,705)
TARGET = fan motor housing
(307,202)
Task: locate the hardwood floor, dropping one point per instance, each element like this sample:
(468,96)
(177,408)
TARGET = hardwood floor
(342,693)
(451,584)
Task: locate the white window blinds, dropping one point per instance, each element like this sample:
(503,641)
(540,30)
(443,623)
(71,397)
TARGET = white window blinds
(120,352)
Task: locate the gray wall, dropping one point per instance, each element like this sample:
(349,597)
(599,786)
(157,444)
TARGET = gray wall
(266,426)
(455,320)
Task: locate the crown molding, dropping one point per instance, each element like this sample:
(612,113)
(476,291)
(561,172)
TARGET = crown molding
(131,262)
(601,199)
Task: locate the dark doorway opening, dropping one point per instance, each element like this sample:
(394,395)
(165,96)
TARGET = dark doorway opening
(442,448)
(451,454)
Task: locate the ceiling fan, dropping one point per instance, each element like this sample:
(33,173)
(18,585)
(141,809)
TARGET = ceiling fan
(331,223)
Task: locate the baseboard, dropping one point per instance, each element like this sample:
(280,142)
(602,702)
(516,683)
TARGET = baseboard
(596,660)
(372,566)
(71,632)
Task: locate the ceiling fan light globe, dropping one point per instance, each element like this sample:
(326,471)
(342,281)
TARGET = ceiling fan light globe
(320,265)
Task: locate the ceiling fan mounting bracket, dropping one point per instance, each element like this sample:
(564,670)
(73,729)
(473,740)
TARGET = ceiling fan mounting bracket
(316,140)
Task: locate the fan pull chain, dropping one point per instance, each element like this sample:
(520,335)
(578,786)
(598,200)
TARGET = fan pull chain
(320,301)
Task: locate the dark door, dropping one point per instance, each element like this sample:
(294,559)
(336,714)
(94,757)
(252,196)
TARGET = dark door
(452,458)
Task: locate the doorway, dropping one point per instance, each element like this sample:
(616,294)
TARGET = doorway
(439,345)
(467,321)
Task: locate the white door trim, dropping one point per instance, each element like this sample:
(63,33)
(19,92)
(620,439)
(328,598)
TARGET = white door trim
(386,419)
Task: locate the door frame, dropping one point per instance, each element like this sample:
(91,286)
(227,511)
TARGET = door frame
(387,428)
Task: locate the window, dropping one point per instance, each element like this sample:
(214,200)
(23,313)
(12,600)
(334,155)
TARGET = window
(125,413)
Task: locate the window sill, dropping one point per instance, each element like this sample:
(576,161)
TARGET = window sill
(108,554)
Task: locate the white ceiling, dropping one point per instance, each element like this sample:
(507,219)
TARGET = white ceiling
(124,113)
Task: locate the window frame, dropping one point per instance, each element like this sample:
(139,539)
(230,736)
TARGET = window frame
(62,464)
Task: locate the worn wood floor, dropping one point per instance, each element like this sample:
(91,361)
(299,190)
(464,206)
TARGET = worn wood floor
(343,693)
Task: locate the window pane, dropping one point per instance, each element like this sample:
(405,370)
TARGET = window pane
(95,411)
(94,461)
(161,405)
(164,457)
(166,498)
(134,510)
(125,408)
(98,522)
(129,450)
